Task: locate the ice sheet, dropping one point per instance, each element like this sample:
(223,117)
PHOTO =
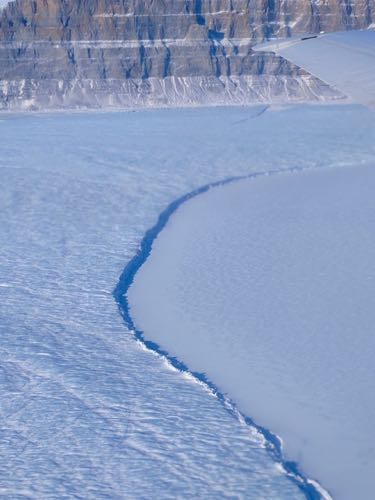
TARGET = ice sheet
(85,410)
(267,287)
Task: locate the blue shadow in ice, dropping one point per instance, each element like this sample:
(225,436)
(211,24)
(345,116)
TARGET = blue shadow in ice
(273,442)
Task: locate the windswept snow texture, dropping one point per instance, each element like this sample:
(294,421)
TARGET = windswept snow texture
(86,411)
(268,287)
(345,60)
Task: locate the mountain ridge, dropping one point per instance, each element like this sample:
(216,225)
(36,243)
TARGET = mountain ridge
(131,53)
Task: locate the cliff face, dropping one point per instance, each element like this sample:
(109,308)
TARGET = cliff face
(59,20)
(103,53)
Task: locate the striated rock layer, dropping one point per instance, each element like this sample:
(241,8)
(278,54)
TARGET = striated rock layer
(128,53)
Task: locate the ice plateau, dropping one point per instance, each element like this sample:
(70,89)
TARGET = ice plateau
(85,410)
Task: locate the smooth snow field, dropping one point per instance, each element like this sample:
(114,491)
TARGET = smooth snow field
(87,411)
(345,60)
(267,286)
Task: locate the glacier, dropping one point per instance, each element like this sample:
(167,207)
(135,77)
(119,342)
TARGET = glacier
(266,286)
(86,411)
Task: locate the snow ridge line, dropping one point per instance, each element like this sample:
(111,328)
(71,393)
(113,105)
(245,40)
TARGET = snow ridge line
(273,443)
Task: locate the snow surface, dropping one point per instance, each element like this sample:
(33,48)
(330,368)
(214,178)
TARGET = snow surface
(268,287)
(85,410)
(345,60)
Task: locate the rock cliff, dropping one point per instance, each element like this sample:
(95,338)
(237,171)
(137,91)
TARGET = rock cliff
(128,53)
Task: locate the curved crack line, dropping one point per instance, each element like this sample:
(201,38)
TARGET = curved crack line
(273,443)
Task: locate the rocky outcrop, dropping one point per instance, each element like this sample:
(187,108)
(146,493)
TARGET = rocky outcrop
(127,53)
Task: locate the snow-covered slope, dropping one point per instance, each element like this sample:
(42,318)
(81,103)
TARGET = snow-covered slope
(344,60)
(267,286)
(85,410)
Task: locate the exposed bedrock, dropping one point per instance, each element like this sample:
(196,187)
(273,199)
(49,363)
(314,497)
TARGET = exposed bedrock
(111,53)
